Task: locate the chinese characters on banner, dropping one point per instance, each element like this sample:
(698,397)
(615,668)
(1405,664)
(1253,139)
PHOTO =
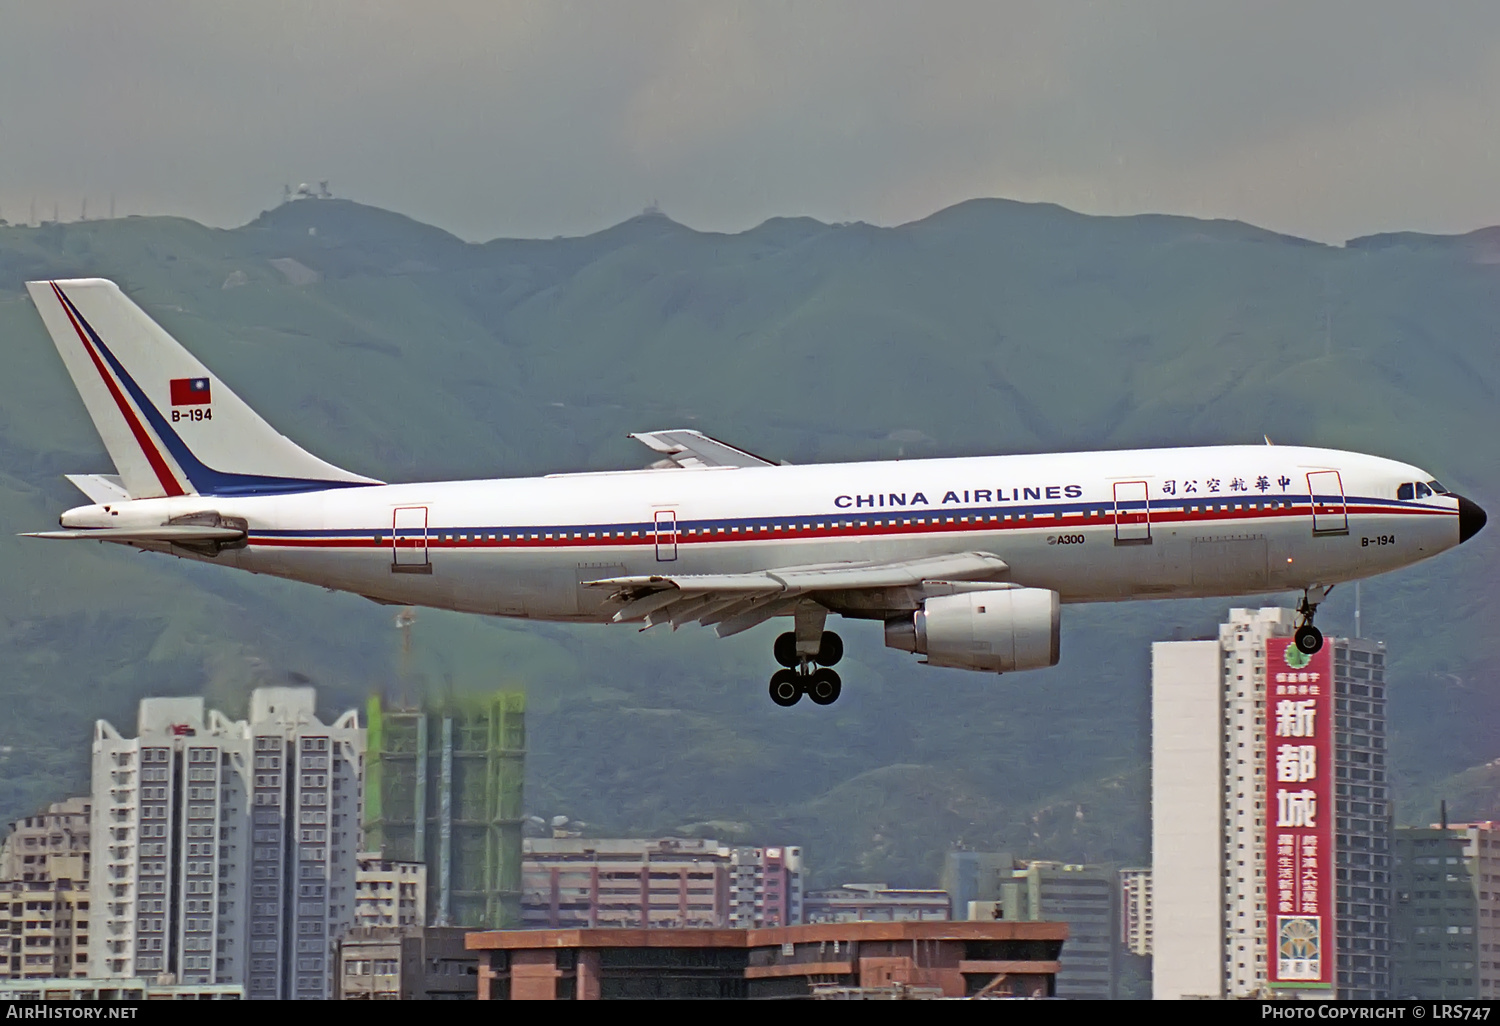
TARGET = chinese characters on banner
(1299,813)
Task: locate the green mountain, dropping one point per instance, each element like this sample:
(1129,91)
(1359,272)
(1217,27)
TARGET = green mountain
(400,351)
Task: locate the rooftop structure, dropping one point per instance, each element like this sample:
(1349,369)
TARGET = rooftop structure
(951,959)
(876,902)
(418,964)
(90,989)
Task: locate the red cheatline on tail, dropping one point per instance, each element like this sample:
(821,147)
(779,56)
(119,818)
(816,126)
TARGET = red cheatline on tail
(190,392)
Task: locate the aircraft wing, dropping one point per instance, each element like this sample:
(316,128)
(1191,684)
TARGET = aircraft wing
(684,447)
(736,602)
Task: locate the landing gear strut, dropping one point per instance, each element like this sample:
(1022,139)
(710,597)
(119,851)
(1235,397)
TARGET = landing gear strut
(806,655)
(1307,637)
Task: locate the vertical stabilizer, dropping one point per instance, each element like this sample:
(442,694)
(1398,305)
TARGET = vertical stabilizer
(170,426)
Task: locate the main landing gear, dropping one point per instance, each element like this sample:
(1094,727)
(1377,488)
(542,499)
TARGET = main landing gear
(807,655)
(807,676)
(1307,637)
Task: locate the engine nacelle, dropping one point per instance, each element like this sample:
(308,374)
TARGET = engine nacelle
(1001,630)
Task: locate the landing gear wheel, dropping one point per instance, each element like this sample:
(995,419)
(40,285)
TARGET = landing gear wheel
(786,688)
(824,686)
(1308,638)
(785,650)
(830,649)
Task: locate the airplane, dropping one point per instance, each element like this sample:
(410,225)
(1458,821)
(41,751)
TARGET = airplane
(966,561)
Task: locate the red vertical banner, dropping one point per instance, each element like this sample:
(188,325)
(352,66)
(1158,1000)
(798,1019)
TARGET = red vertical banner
(1299,814)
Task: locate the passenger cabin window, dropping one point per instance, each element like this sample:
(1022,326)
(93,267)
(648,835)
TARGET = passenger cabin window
(1405,491)
(1423,492)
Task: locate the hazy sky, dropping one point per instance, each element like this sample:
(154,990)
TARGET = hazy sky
(1326,120)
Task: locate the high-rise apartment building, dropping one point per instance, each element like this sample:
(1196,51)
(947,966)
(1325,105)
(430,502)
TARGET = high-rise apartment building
(970,876)
(585,882)
(444,788)
(1445,932)
(1084,897)
(388,893)
(44,894)
(44,924)
(1271,864)
(225,849)
(1135,910)
(766,886)
(62,830)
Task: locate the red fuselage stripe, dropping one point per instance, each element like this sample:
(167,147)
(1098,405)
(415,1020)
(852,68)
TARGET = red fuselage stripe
(153,455)
(441,538)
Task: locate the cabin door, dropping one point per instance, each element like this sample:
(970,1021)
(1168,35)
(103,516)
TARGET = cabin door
(409,541)
(1132,513)
(1330,514)
(666,535)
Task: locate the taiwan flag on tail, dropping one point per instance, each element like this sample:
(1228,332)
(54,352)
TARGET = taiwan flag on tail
(190,392)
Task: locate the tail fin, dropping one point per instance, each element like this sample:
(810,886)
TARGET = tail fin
(169,425)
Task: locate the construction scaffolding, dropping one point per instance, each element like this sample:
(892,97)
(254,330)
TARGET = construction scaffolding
(443,787)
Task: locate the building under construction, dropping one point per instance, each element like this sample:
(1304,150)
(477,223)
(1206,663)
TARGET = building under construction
(443,787)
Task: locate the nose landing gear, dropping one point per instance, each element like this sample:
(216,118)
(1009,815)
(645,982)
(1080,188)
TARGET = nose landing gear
(1307,637)
(808,675)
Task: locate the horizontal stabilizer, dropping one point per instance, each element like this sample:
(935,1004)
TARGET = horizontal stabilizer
(177,534)
(103,489)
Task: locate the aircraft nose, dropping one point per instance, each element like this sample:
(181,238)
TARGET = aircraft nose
(1471,518)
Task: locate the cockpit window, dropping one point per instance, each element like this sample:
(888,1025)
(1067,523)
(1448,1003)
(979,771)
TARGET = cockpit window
(1405,491)
(1423,492)
(1437,487)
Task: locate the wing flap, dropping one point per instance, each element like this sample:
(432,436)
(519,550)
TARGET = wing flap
(737,602)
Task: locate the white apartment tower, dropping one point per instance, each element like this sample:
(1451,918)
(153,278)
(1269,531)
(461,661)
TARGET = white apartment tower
(225,849)
(1135,910)
(1233,769)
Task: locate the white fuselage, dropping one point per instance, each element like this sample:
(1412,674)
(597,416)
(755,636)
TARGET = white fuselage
(1101,526)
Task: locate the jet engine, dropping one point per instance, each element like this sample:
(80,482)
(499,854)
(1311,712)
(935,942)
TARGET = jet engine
(998,630)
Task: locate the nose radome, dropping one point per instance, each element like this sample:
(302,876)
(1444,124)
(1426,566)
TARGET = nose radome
(1471,519)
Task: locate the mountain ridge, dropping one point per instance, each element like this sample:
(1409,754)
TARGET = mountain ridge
(988,326)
